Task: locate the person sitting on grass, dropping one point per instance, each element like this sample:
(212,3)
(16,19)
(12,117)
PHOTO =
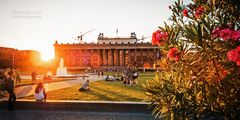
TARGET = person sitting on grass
(107,78)
(114,78)
(85,86)
(40,94)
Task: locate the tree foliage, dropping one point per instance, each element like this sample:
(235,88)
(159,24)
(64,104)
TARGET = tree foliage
(200,63)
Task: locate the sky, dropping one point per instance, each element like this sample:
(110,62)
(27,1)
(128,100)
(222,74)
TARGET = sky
(36,24)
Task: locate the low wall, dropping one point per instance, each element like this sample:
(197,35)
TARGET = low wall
(96,106)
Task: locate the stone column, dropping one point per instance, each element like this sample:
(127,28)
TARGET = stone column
(112,53)
(116,57)
(129,56)
(122,57)
(105,59)
(135,55)
(100,57)
(110,57)
(92,52)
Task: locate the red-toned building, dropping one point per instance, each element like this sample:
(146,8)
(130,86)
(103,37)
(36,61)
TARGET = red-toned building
(7,57)
(107,53)
(22,59)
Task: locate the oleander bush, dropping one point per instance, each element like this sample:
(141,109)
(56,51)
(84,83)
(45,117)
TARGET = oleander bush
(200,62)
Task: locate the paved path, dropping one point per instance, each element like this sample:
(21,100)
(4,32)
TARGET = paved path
(28,90)
(72,115)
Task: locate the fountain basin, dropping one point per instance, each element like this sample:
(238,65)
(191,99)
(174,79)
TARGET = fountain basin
(66,76)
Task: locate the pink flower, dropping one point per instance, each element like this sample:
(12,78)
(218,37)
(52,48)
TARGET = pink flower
(176,58)
(235,35)
(172,53)
(162,36)
(226,34)
(158,37)
(185,12)
(224,72)
(238,63)
(234,55)
(238,48)
(199,11)
(216,32)
(154,39)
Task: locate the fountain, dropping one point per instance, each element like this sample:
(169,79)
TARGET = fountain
(61,70)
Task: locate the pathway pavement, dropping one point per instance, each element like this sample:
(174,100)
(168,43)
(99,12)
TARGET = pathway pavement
(28,90)
(70,115)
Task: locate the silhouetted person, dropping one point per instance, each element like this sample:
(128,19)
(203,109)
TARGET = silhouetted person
(18,77)
(34,76)
(10,90)
(98,72)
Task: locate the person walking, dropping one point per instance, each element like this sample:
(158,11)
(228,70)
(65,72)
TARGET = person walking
(34,76)
(18,77)
(10,90)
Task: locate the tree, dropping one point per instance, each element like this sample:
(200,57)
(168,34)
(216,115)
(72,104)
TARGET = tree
(201,49)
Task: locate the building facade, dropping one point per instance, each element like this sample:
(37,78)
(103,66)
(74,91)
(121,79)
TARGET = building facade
(22,59)
(7,57)
(107,53)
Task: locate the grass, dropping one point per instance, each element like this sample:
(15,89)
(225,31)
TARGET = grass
(102,91)
(140,72)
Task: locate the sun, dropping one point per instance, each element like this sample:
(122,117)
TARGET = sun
(46,56)
(47,53)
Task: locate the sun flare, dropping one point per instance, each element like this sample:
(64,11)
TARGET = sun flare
(46,56)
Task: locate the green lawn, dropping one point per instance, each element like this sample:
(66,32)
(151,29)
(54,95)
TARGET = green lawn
(102,91)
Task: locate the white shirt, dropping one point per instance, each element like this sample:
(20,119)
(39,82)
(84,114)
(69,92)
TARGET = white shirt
(39,95)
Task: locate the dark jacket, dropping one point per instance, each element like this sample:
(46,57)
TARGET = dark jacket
(10,85)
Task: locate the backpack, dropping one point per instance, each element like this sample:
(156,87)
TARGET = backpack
(135,75)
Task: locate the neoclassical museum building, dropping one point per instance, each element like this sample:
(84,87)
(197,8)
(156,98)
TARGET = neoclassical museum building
(107,53)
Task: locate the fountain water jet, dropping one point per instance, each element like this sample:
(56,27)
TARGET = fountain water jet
(61,70)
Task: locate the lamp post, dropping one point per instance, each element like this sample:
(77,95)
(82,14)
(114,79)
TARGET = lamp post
(13,60)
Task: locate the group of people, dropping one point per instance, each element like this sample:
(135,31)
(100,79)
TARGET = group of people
(130,75)
(4,75)
(7,79)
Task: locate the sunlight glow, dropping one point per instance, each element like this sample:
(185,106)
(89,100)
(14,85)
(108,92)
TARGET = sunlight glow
(46,56)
